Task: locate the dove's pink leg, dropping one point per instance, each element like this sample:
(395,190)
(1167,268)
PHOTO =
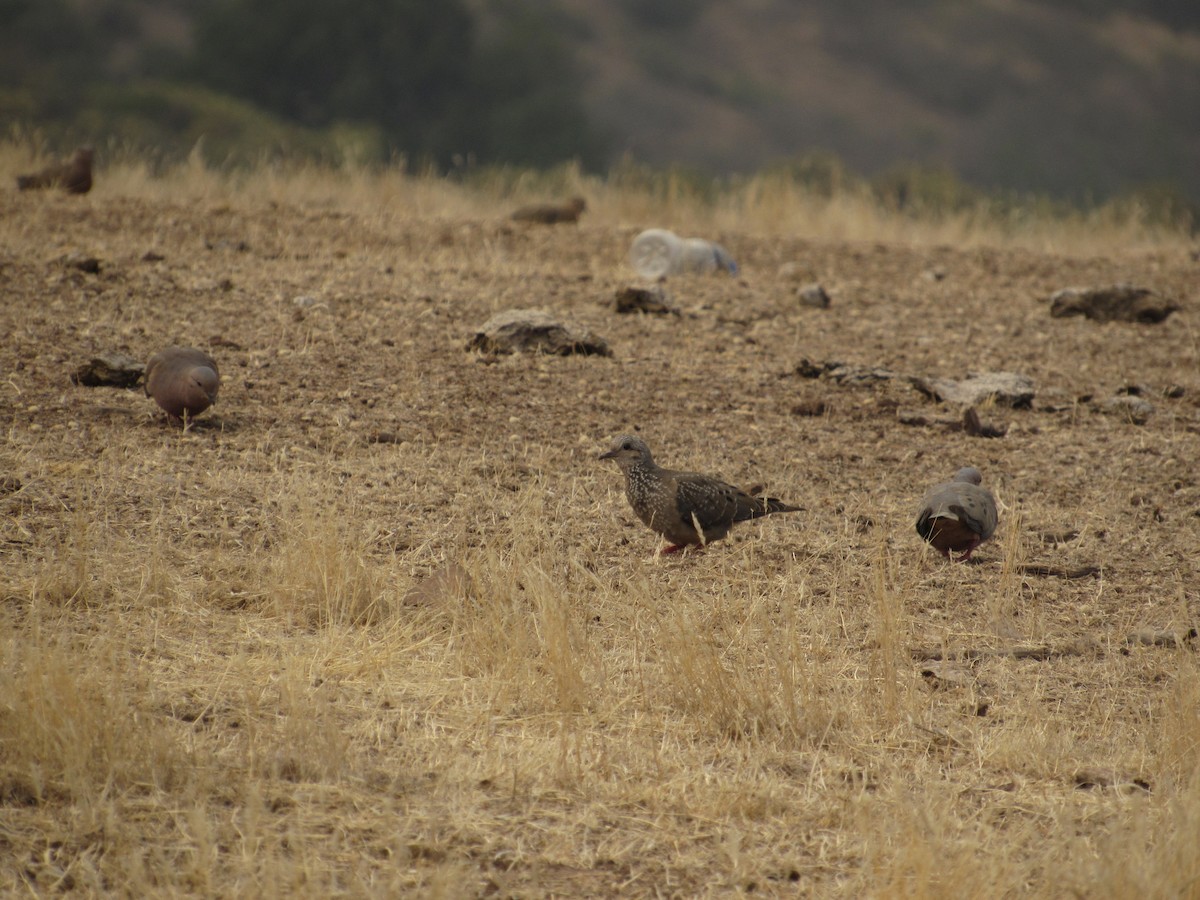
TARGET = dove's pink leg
(675,548)
(970,549)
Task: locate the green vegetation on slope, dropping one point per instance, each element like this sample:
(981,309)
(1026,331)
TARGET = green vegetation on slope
(415,78)
(1080,100)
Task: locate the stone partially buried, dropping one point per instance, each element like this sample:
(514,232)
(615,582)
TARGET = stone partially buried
(652,300)
(1002,388)
(1115,303)
(109,370)
(536,331)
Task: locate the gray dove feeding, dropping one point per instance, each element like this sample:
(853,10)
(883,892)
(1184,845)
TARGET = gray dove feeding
(183,381)
(686,508)
(958,515)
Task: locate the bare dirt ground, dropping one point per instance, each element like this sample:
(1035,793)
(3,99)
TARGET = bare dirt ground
(380,622)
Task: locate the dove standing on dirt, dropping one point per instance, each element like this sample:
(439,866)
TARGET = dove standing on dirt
(551,213)
(183,381)
(684,507)
(958,515)
(74,176)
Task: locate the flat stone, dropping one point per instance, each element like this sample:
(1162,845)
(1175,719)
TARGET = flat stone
(1137,409)
(846,374)
(109,370)
(1115,303)
(1002,388)
(536,331)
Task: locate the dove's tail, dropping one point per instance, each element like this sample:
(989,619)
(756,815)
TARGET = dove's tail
(763,506)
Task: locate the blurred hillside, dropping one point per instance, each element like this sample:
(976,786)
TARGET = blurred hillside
(1069,97)
(1078,98)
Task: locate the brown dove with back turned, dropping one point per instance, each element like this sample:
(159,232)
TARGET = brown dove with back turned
(686,508)
(183,381)
(551,213)
(74,176)
(958,515)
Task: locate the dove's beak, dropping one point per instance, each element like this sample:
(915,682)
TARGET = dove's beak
(608,454)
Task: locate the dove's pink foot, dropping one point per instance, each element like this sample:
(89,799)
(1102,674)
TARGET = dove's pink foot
(969,550)
(675,548)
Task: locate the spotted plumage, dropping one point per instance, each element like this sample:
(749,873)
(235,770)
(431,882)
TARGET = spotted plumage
(686,508)
(958,515)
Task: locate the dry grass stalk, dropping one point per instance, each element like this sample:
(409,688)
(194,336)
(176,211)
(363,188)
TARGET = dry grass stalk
(279,654)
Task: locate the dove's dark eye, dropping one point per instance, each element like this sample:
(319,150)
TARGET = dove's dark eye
(627,446)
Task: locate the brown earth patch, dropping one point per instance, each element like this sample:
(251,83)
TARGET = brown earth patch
(381,621)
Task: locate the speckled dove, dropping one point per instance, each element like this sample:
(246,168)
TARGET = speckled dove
(551,213)
(74,176)
(958,515)
(183,381)
(684,507)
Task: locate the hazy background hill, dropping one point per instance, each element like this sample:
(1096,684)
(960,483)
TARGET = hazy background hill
(1067,96)
(1080,98)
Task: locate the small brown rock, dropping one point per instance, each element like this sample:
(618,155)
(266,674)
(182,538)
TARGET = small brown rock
(810,408)
(82,262)
(383,437)
(653,300)
(975,427)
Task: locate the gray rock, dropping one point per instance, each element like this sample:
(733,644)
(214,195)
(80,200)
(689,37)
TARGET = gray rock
(1136,409)
(1118,302)
(109,370)
(813,295)
(537,331)
(1003,388)
(846,374)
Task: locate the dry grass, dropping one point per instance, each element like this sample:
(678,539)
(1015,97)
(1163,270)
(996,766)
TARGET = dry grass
(773,203)
(272,655)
